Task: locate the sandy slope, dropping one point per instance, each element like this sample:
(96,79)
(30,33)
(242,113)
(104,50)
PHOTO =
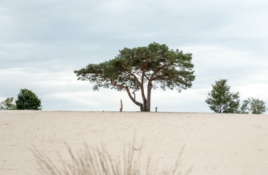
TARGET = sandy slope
(215,144)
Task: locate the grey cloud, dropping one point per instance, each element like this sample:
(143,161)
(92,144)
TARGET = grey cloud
(42,42)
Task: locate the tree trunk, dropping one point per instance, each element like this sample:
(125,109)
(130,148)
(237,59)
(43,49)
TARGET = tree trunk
(134,99)
(146,109)
(149,90)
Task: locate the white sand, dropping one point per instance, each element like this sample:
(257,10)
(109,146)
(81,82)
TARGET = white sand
(215,144)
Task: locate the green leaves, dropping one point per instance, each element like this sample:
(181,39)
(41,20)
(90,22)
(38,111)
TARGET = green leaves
(221,100)
(7,104)
(155,62)
(28,100)
(253,105)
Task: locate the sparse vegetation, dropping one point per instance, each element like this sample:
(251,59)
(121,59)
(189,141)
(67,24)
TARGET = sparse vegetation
(253,105)
(7,104)
(91,161)
(221,100)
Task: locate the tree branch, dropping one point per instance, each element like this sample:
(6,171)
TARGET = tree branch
(135,77)
(158,70)
(146,77)
(117,85)
(134,95)
(129,94)
(142,81)
(160,77)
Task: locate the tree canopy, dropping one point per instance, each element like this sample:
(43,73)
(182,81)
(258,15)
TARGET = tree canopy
(28,100)
(142,69)
(8,104)
(253,105)
(221,100)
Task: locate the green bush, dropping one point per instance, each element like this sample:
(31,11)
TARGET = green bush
(28,100)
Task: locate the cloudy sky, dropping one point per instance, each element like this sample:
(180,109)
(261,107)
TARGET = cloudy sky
(42,42)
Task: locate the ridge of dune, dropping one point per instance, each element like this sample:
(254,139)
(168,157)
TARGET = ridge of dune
(222,144)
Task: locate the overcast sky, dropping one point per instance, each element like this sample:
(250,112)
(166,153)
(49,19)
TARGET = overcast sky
(42,42)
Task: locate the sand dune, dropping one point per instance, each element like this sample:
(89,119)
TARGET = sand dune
(215,144)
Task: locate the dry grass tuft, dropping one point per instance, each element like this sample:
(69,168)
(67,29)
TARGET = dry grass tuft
(91,161)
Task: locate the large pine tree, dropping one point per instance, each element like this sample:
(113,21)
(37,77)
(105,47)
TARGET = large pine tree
(142,69)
